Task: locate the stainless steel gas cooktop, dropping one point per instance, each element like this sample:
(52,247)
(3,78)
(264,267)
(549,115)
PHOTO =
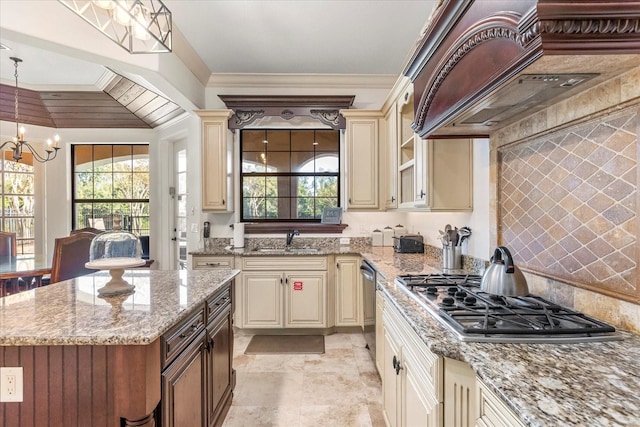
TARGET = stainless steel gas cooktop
(476,316)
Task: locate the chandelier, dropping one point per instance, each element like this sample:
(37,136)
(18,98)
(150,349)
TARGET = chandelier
(138,26)
(18,143)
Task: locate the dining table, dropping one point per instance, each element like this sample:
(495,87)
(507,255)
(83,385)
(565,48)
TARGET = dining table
(28,267)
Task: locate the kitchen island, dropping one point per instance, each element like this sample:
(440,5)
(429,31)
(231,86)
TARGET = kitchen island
(120,360)
(594,384)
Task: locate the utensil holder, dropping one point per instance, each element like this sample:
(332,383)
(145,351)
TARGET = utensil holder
(451,257)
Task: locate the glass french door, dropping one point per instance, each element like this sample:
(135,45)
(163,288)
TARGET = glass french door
(180,206)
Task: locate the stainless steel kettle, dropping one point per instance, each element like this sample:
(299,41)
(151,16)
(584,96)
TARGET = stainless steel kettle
(502,277)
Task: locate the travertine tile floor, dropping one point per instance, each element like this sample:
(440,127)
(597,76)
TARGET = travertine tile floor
(338,388)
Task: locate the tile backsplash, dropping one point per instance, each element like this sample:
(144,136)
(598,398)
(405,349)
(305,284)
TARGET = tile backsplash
(567,203)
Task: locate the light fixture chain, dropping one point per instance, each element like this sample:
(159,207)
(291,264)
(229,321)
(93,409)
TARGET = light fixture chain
(15,64)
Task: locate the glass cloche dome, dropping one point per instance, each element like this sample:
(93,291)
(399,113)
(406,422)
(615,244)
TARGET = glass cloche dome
(115,244)
(114,251)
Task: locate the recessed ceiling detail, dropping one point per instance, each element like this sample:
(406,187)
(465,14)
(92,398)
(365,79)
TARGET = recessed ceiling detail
(122,104)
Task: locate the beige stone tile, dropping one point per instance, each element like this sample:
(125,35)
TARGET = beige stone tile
(278,363)
(242,362)
(335,416)
(269,389)
(376,415)
(630,316)
(357,340)
(240,343)
(321,388)
(338,341)
(364,361)
(338,360)
(257,416)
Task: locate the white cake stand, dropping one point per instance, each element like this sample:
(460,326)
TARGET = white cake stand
(116,266)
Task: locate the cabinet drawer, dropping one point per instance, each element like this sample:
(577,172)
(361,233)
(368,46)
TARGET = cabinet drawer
(200,262)
(284,263)
(179,337)
(218,303)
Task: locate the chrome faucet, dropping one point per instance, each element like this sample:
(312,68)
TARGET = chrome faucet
(290,235)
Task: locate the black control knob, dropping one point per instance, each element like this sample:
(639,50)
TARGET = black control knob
(452,290)
(470,300)
(432,290)
(460,294)
(448,301)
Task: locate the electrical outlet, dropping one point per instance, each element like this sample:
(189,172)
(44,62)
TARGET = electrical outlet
(11,388)
(194,227)
(344,240)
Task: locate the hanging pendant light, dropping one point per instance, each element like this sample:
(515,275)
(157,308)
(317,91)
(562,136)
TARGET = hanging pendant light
(18,144)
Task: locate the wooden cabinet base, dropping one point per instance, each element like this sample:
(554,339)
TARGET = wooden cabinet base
(85,385)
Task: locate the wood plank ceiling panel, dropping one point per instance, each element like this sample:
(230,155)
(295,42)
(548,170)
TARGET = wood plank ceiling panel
(31,109)
(122,104)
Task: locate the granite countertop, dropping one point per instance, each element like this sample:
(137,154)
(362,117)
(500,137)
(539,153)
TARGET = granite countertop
(279,251)
(594,384)
(71,313)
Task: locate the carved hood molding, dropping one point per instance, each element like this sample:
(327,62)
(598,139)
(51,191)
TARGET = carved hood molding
(471,48)
(248,108)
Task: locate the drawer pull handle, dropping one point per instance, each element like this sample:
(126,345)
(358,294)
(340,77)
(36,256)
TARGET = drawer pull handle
(212,264)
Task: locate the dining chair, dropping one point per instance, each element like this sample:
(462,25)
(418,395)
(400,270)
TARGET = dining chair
(87,230)
(8,244)
(70,255)
(8,253)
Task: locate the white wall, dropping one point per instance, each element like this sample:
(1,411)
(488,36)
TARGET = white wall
(428,223)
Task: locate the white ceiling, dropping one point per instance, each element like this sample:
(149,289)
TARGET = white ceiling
(259,36)
(302,36)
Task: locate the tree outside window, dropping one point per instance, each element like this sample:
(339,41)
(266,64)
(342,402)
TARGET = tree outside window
(289,174)
(18,213)
(110,181)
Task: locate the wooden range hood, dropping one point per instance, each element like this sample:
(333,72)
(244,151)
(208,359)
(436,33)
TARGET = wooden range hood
(473,48)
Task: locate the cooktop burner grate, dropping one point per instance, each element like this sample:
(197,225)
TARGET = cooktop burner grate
(473,315)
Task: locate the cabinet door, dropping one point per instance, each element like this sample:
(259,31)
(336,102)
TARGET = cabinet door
(217,157)
(305,299)
(219,359)
(391,380)
(379,333)
(348,284)
(419,406)
(450,163)
(183,388)
(391,163)
(262,299)
(362,159)
(459,394)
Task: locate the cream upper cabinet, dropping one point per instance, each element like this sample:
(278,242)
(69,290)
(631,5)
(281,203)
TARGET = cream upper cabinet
(283,292)
(430,174)
(389,163)
(363,135)
(348,291)
(217,160)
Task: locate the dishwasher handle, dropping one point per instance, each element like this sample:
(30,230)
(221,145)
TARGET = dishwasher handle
(367,272)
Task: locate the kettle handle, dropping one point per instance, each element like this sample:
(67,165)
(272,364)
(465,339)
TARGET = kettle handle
(502,253)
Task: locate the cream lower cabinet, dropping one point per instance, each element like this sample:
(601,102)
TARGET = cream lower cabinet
(348,291)
(412,376)
(208,262)
(459,394)
(283,292)
(492,412)
(379,333)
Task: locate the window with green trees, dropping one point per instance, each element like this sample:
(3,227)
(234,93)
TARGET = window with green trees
(18,214)
(289,175)
(111,180)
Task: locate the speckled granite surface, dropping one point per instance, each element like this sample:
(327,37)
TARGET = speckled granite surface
(71,313)
(589,384)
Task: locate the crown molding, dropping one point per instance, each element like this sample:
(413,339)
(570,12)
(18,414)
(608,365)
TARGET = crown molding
(255,80)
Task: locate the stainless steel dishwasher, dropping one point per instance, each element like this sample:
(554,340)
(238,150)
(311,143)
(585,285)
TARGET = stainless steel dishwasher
(369,299)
